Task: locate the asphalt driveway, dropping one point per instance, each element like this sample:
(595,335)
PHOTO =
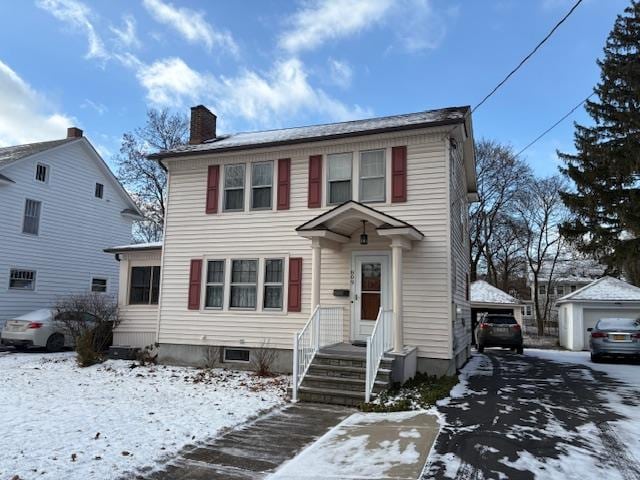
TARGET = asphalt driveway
(525,417)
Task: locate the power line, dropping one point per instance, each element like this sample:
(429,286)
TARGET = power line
(554,125)
(524,60)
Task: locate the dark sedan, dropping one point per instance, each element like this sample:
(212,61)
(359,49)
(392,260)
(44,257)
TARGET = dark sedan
(499,331)
(615,337)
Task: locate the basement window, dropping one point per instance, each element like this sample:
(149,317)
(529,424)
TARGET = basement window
(236,355)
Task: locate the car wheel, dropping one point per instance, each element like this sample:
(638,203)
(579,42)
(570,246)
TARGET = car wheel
(480,348)
(55,343)
(520,350)
(595,358)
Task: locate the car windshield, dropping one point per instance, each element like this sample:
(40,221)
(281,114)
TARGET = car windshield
(500,320)
(618,324)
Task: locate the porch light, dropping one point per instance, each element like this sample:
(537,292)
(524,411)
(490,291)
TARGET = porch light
(364,238)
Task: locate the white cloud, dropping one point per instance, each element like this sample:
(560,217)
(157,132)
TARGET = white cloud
(171,81)
(127,36)
(422,27)
(77,15)
(26,116)
(98,107)
(340,73)
(191,25)
(324,20)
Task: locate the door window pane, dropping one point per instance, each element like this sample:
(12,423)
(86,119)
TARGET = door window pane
(339,168)
(371,275)
(372,176)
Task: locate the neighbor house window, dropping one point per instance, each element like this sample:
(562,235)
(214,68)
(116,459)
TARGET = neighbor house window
(215,284)
(339,178)
(542,290)
(98,285)
(99,190)
(145,285)
(234,187)
(372,176)
(244,276)
(42,172)
(22,279)
(560,290)
(573,288)
(261,185)
(236,355)
(273,283)
(31,222)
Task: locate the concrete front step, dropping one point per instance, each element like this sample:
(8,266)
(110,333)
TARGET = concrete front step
(331,396)
(344,360)
(341,383)
(346,371)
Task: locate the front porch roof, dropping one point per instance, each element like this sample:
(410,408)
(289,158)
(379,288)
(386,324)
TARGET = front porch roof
(341,222)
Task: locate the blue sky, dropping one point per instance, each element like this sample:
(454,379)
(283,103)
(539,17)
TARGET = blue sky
(258,65)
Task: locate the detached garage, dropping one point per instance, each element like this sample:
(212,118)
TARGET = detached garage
(606,297)
(485,298)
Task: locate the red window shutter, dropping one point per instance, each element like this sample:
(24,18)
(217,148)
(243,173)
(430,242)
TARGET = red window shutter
(213,177)
(399,174)
(315,181)
(295,284)
(284,183)
(195,275)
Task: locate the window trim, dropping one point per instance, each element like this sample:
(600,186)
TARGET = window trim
(244,284)
(224,355)
(206,283)
(95,191)
(106,284)
(253,187)
(266,284)
(46,174)
(243,188)
(328,181)
(33,280)
(384,175)
(24,217)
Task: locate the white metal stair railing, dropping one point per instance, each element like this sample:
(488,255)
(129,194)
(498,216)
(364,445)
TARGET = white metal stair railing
(380,342)
(324,327)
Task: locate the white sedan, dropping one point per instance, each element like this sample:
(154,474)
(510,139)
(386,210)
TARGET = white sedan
(36,329)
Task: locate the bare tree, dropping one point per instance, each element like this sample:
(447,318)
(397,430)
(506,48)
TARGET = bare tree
(501,175)
(505,258)
(146,179)
(540,212)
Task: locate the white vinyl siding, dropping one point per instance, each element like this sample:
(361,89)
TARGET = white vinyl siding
(261,185)
(339,173)
(31,220)
(234,187)
(372,176)
(214,291)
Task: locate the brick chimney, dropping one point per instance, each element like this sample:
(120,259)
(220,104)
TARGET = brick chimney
(203,125)
(74,132)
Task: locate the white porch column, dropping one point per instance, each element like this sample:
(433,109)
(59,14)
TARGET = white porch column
(316,256)
(398,328)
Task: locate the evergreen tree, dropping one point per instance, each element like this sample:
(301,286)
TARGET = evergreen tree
(605,204)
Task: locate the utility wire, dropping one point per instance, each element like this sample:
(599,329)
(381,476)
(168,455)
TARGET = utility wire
(524,60)
(554,125)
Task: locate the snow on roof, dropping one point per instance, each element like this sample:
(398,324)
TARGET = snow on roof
(16,152)
(483,292)
(605,289)
(134,247)
(319,132)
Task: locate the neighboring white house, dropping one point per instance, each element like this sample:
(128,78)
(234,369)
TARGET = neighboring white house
(60,206)
(321,231)
(606,297)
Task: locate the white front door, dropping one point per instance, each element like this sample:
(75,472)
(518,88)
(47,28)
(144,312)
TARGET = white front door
(370,292)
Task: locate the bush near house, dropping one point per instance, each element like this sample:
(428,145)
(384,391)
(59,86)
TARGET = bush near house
(420,392)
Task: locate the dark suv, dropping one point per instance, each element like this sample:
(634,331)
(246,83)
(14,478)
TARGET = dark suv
(499,331)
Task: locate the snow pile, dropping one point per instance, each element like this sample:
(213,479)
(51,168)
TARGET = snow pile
(102,421)
(483,292)
(606,288)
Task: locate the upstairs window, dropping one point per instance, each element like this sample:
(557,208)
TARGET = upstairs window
(31,220)
(215,284)
(99,285)
(261,185)
(372,176)
(244,277)
(145,285)
(560,290)
(273,283)
(234,187)
(542,290)
(99,192)
(42,173)
(339,167)
(22,279)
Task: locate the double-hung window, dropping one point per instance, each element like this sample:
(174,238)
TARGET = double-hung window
(145,285)
(215,284)
(42,172)
(244,277)
(22,279)
(273,283)
(31,221)
(372,176)
(234,187)
(339,170)
(261,185)
(99,191)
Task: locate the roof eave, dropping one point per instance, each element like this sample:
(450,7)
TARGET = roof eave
(132,249)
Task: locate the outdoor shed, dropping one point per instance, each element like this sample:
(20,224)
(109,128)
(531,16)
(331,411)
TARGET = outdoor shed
(606,297)
(485,298)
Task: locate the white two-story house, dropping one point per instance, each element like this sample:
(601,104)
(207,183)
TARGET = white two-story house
(311,238)
(60,206)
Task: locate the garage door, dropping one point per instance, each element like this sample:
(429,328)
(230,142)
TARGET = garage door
(592,315)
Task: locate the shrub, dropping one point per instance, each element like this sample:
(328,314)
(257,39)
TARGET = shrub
(211,357)
(263,359)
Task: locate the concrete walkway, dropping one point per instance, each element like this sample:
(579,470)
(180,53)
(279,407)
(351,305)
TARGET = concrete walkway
(257,449)
(367,445)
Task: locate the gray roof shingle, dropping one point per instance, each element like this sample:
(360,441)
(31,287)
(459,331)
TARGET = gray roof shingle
(245,140)
(11,154)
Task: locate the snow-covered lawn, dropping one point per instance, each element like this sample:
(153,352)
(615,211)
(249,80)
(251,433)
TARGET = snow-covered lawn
(61,421)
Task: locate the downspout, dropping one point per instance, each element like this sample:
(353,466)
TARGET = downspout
(162,270)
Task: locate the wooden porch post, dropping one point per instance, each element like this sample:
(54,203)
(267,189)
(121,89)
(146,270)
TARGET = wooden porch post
(316,256)
(398,328)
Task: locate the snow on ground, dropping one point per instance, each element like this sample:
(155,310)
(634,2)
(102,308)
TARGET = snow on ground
(61,421)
